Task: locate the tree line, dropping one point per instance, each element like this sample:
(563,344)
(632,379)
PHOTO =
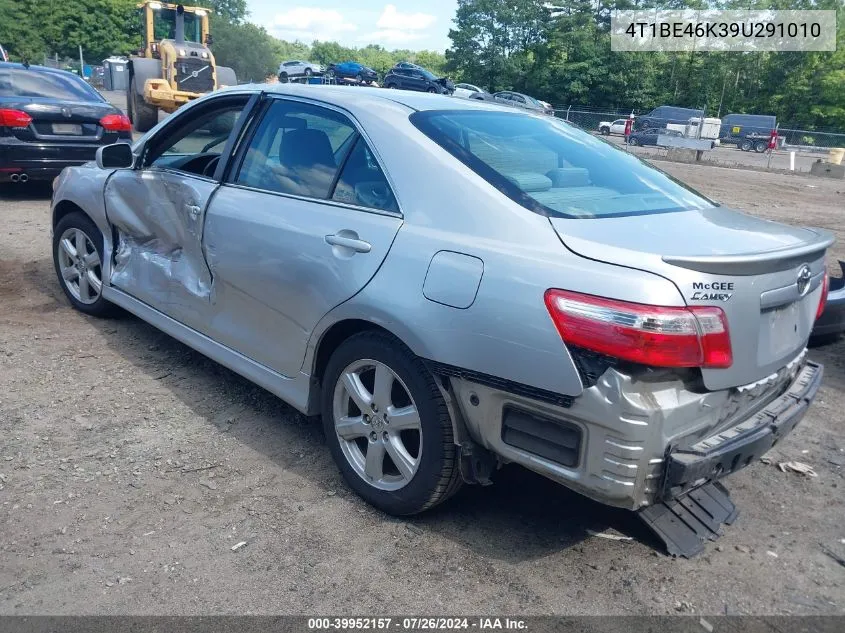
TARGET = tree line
(561,56)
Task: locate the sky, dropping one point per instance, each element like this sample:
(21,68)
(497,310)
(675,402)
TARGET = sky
(413,24)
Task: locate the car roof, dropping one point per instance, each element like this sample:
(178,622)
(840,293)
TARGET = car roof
(355,98)
(45,69)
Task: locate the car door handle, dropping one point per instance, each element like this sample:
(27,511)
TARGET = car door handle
(353,243)
(193,210)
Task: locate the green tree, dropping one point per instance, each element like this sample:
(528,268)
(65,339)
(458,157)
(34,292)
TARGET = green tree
(229,10)
(254,61)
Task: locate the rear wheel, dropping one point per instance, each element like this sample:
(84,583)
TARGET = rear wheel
(746,145)
(391,86)
(143,115)
(283,78)
(388,427)
(761,146)
(307,72)
(633,141)
(432,89)
(77,258)
(605,131)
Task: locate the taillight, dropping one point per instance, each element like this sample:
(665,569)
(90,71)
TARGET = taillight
(14,118)
(116,123)
(823,298)
(659,336)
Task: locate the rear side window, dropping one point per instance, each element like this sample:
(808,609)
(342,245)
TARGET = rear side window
(553,168)
(19,82)
(362,181)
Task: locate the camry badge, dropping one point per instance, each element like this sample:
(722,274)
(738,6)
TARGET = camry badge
(805,275)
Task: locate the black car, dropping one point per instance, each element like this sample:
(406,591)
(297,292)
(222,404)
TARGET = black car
(51,119)
(418,79)
(649,136)
(664,115)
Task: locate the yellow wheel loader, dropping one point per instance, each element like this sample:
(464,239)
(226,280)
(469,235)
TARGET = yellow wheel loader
(175,65)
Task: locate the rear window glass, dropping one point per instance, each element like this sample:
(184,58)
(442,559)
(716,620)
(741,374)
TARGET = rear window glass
(59,85)
(553,168)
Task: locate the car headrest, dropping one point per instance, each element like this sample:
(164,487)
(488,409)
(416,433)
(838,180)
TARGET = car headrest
(529,181)
(306,148)
(569,177)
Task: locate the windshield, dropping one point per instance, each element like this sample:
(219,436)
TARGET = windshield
(59,85)
(554,168)
(427,74)
(165,25)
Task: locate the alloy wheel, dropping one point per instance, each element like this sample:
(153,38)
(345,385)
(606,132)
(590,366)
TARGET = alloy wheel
(377,424)
(79,265)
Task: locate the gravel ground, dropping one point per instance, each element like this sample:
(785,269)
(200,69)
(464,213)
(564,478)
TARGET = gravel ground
(130,466)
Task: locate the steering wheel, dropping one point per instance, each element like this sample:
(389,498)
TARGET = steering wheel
(214,142)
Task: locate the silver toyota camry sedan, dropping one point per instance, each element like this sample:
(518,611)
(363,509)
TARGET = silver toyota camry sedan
(453,285)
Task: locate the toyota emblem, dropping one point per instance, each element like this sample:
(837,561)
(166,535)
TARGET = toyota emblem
(66,113)
(805,275)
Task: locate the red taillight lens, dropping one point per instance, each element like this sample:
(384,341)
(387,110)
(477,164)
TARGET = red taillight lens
(823,298)
(116,123)
(651,335)
(14,118)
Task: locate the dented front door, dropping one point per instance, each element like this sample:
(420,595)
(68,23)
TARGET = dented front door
(159,215)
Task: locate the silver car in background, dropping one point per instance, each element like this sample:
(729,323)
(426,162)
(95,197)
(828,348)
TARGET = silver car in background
(453,285)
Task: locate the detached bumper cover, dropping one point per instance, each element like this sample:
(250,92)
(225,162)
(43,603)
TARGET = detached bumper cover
(735,448)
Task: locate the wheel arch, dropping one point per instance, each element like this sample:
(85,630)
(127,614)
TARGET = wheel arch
(66,207)
(328,340)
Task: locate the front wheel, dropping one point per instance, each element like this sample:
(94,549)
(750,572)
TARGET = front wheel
(746,145)
(388,427)
(605,131)
(307,72)
(432,89)
(633,141)
(360,78)
(77,258)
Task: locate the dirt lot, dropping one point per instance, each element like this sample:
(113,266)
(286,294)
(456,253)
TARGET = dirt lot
(130,465)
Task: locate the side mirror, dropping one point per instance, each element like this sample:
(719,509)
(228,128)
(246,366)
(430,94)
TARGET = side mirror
(209,40)
(116,156)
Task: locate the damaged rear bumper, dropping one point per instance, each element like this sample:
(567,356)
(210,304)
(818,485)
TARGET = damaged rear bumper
(734,448)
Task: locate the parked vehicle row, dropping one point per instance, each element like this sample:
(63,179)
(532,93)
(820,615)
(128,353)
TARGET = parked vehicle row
(409,76)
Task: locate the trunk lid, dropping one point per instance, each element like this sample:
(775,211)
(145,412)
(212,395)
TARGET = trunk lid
(62,121)
(766,276)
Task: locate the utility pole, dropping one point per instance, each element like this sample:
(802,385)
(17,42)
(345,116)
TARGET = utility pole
(81,63)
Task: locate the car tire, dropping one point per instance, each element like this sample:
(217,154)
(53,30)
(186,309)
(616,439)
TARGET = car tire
(391,86)
(633,142)
(430,472)
(605,131)
(359,78)
(746,145)
(761,146)
(283,77)
(81,233)
(143,115)
(431,89)
(307,72)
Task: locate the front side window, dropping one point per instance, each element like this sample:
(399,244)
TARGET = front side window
(297,149)
(196,144)
(553,168)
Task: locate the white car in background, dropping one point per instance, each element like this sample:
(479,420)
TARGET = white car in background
(612,127)
(297,68)
(465,91)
